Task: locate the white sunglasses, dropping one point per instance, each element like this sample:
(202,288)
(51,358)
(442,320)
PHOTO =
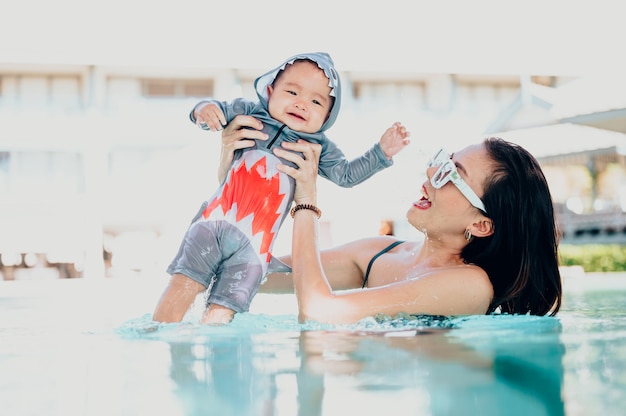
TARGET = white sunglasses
(447,172)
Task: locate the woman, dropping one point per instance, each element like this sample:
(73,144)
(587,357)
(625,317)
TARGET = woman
(491,241)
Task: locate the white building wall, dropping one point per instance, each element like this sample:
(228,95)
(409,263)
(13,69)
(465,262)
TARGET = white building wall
(92,159)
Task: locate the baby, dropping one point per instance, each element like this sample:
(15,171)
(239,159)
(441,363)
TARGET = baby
(227,248)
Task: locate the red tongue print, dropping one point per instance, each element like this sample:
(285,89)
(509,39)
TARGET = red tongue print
(254,194)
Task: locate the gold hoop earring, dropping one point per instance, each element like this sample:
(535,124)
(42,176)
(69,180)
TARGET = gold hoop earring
(468,235)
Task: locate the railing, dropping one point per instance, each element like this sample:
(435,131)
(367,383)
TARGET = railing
(599,227)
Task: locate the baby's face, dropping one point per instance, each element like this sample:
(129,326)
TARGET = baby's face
(300,97)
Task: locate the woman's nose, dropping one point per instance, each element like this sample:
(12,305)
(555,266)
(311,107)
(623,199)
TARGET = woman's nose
(430,171)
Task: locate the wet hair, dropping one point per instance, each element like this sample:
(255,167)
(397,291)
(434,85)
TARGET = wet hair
(521,256)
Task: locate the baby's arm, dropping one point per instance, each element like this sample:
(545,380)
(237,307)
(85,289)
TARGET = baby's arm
(394,139)
(209,116)
(334,166)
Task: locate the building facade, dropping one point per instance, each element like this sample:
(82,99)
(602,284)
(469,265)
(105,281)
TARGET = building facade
(101,169)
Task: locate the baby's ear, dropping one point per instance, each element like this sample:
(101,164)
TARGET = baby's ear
(482,228)
(270,90)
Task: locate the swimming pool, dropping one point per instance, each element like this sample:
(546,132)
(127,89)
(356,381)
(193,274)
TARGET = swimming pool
(88,347)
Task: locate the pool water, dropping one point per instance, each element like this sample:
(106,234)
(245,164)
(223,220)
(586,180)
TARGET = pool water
(89,347)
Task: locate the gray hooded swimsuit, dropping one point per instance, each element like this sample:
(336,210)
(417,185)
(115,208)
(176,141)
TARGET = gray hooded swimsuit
(229,243)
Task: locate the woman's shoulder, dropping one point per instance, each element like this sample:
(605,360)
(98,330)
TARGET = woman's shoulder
(473,280)
(374,244)
(464,272)
(458,290)
(363,250)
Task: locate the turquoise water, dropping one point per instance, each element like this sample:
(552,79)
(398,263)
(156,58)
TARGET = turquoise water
(86,347)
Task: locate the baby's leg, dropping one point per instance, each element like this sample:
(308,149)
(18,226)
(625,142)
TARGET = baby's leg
(237,279)
(217,255)
(192,270)
(177,298)
(236,286)
(217,315)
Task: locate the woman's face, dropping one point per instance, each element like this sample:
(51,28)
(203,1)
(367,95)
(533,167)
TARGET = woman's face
(447,210)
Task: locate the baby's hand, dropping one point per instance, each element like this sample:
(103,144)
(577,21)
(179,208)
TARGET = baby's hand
(210,117)
(394,139)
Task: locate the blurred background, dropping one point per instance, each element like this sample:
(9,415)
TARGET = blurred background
(101,169)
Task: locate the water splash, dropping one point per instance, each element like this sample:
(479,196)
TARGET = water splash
(246,324)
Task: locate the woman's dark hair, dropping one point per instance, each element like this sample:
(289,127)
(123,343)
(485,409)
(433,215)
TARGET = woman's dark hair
(521,256)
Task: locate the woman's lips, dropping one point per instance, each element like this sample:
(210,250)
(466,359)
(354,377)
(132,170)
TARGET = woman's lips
(424,201)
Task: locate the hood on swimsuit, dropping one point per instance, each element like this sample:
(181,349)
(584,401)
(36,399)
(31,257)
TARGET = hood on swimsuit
(324,62)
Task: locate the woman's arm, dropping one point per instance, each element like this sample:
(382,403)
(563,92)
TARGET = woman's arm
(313,291)
(344,266)
(310,282)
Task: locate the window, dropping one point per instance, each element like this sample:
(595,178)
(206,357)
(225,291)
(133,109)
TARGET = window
(41,172)
(481,94)
(408,94)
(5,161)
(176,88)
(41,91)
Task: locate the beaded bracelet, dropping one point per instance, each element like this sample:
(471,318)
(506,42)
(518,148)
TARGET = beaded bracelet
(306,206)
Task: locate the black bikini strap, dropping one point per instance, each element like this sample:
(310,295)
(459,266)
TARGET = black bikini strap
(380,253)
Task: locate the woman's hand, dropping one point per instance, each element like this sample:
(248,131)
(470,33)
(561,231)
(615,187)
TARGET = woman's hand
(240,133)
(306,173)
